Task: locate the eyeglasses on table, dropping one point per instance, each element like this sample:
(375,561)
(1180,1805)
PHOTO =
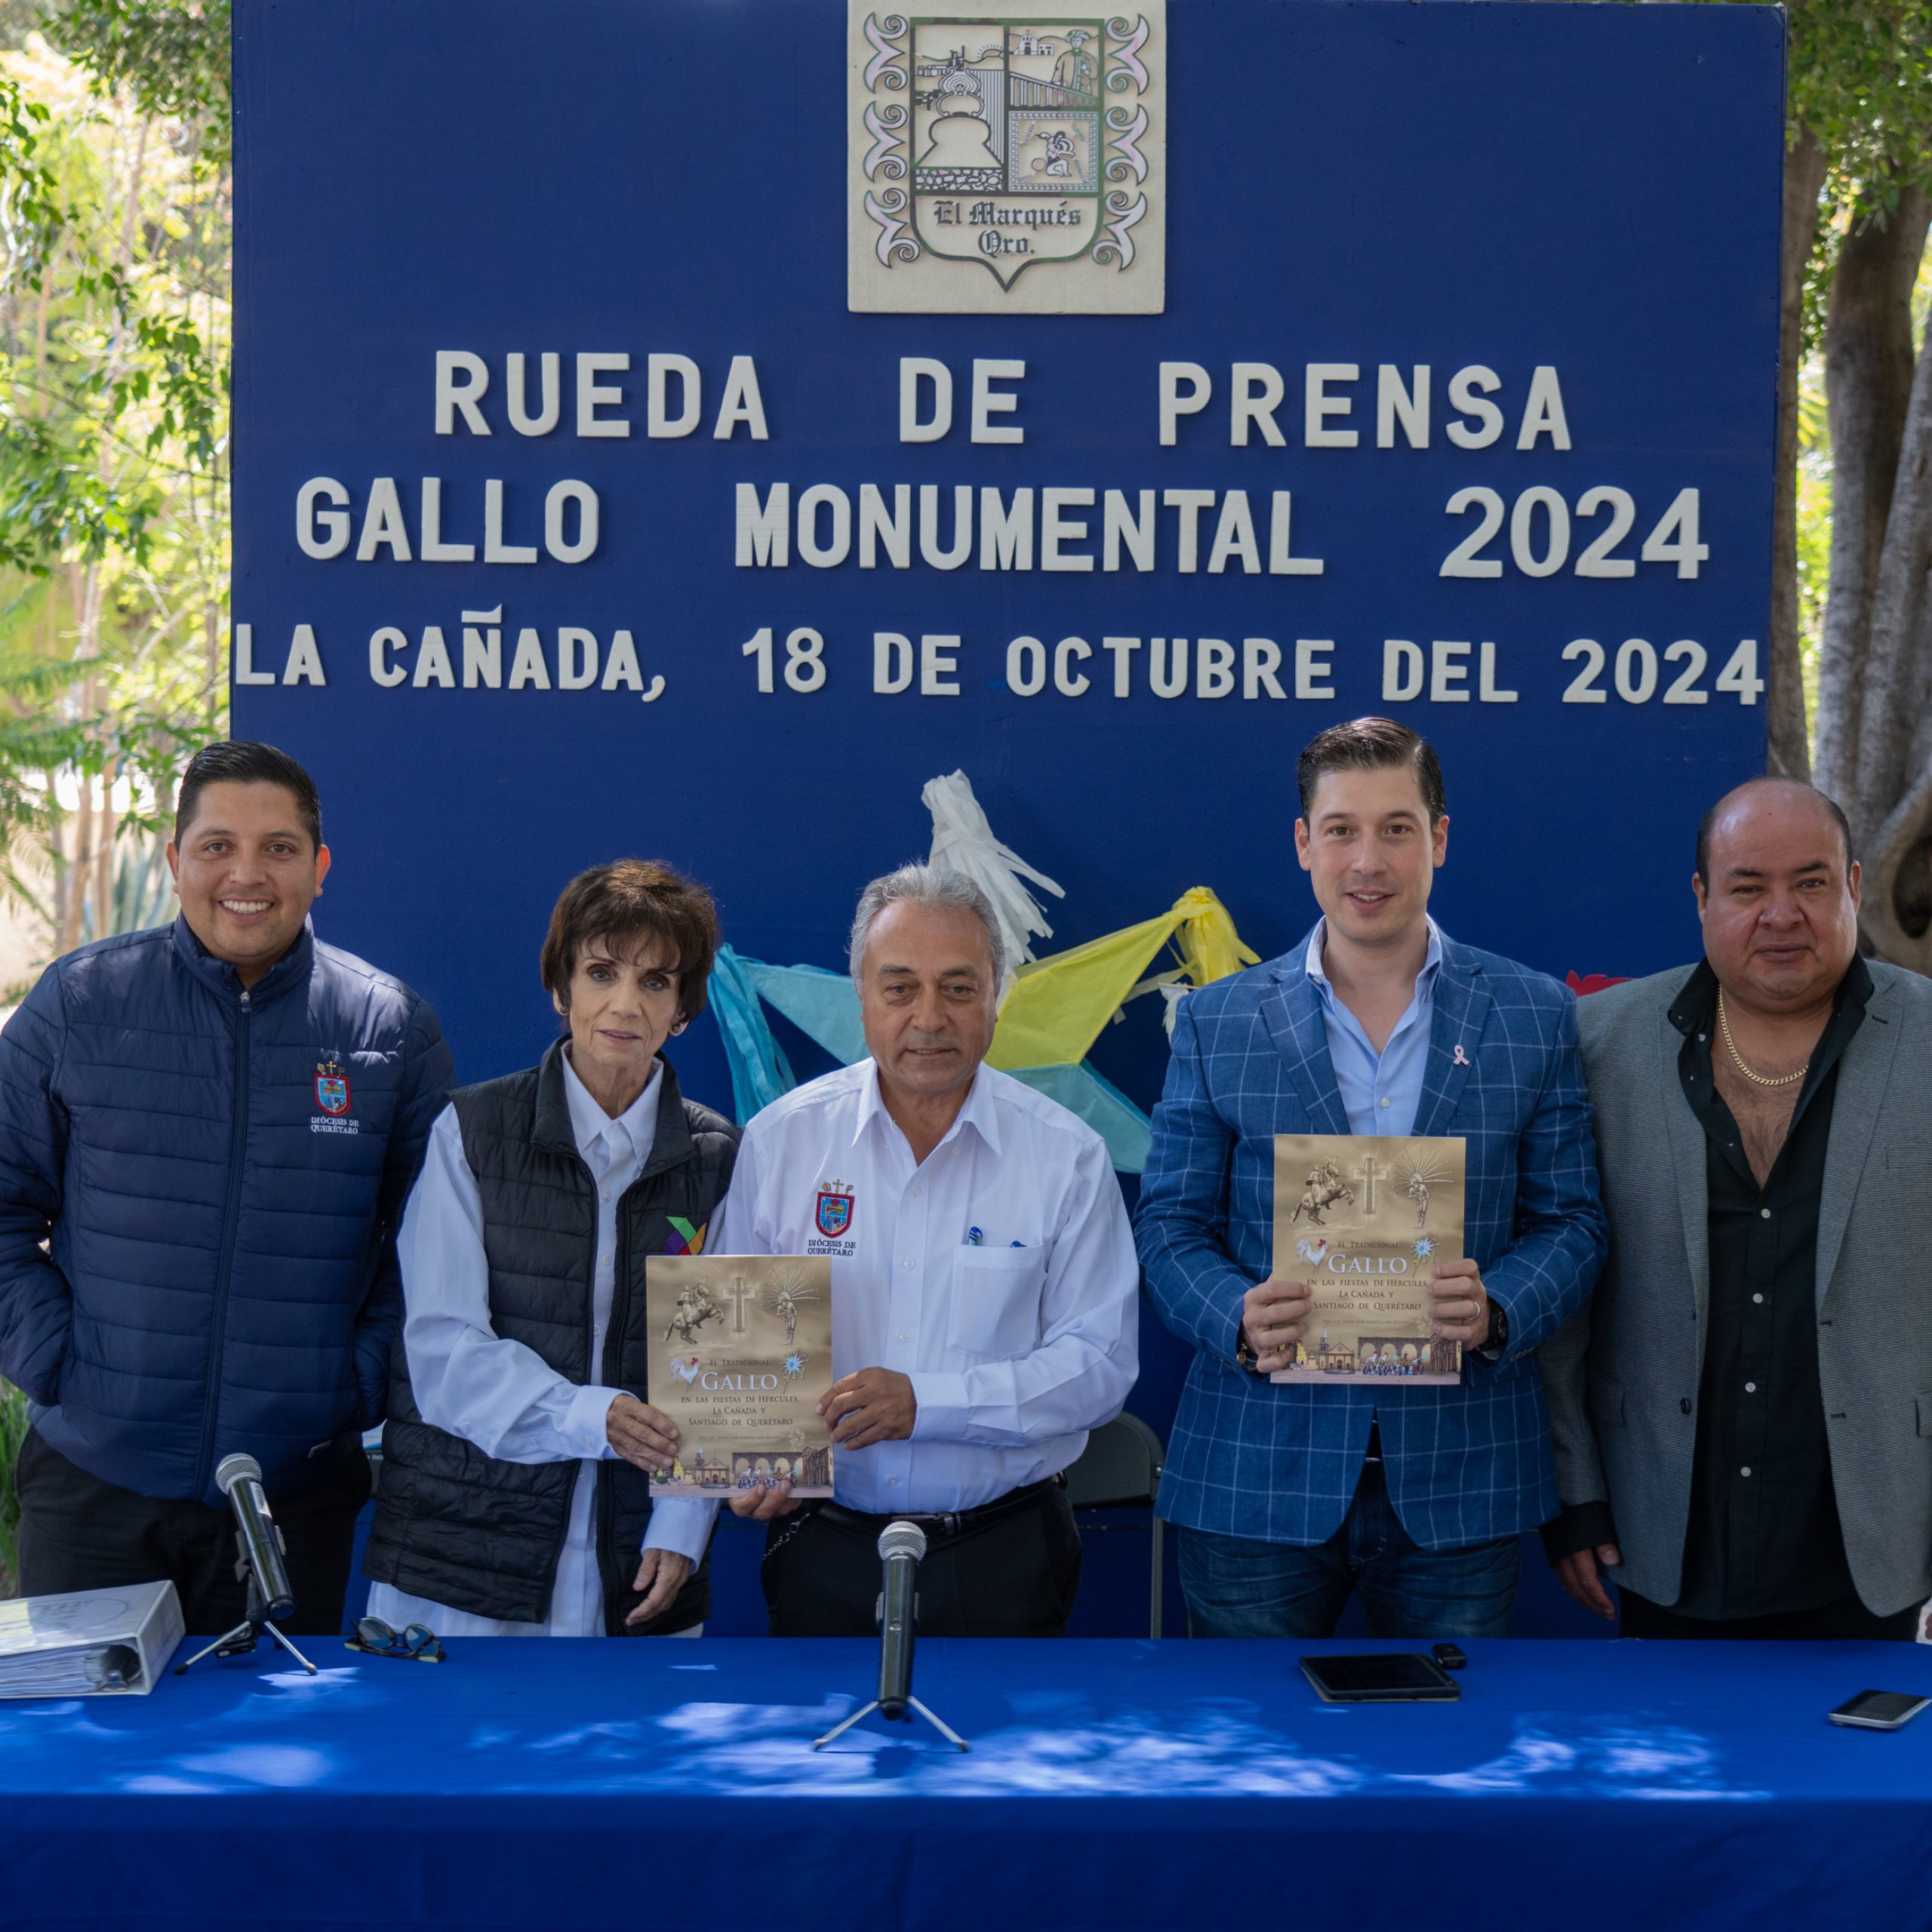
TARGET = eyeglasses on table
(375,1638)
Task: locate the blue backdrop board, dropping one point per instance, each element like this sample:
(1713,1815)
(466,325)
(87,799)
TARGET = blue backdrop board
(686,429)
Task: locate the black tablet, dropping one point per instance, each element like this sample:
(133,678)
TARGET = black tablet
(1395,1677)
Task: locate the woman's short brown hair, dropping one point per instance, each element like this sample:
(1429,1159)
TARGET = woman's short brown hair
(623,902)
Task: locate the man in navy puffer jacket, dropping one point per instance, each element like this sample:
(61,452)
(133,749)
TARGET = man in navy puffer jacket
(207,1133)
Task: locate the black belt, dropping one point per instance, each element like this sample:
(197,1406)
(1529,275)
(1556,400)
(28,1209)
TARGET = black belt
(953,1522)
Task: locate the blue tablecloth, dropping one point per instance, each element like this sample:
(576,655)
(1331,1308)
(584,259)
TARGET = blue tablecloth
(1111,1787)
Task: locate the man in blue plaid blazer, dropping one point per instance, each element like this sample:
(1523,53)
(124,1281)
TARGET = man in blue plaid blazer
(1288,1496)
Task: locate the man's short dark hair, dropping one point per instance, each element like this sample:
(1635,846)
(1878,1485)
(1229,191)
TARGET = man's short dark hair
(242,761)
(623,904)
(1371,744)
(1708,823)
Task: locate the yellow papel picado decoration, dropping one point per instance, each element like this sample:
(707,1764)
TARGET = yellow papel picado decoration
(1053,1010)
(1058,1005)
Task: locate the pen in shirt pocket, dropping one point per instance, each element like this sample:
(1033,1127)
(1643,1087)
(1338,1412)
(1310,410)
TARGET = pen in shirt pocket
(977,1237)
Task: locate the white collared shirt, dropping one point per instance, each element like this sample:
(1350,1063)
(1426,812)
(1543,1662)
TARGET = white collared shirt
(503,1396)
(999,1276)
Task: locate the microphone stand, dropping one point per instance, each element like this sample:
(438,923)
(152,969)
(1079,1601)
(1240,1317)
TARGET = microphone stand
(246,1634)
(898,1617)
(912,1703)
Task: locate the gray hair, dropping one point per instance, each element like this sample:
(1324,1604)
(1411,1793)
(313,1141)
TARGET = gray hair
(925,885)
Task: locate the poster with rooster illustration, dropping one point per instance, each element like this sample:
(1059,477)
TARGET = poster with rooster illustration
(1365,1220)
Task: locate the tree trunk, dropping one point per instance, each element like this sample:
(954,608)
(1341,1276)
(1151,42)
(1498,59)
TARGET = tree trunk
(1895,911)
(1868,377)
(1891,808)
(56,858)
(85,585)
(134,206)
(103,856)
(40,345)
(211,653)
(80,862)
(1804,177)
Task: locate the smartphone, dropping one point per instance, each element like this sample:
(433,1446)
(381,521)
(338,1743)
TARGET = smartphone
(1880,1710)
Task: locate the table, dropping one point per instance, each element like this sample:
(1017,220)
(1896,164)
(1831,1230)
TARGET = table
(1121,1786)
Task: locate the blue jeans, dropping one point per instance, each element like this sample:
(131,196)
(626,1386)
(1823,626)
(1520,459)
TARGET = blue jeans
(1237,1587)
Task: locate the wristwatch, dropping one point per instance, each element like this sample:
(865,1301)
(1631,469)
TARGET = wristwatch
(1497,1339)
(1244,1355)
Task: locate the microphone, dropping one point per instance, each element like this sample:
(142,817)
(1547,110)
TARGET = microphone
(901,1545)
(239,1478)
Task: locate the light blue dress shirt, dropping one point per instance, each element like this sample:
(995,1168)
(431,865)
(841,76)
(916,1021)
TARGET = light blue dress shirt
(1380,1092)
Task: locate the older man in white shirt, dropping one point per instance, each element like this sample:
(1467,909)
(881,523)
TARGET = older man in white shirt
(983,1283)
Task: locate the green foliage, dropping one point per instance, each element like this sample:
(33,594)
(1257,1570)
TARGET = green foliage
(170,56)
(1861,80)
(54,502)
(175,371)
(30,210)
(116,228)
(1814,525)
(13,1433)
(1859,76)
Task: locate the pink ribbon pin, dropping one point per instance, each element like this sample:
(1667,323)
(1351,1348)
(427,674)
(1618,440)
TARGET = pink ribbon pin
(1461,1059)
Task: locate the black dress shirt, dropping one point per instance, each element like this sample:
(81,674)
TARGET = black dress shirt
(1764,1535)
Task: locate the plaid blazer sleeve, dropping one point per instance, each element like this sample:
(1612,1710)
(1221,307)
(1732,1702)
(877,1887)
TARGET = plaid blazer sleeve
(1181,1225)
(1561,1236)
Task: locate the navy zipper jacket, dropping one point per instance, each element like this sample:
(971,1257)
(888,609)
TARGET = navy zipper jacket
(199,1189)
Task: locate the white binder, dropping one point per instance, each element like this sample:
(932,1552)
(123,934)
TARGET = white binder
(95,1643)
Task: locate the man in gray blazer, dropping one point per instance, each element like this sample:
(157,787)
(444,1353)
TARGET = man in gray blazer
(1743,1414)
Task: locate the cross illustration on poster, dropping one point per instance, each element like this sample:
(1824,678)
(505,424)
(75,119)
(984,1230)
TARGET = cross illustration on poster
(1367,1173)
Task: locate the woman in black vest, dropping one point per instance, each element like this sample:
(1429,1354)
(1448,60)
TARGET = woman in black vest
(514,1499)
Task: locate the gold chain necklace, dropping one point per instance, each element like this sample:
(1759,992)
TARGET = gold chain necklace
(1786,1080)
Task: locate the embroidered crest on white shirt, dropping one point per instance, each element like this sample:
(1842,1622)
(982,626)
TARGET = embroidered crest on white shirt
(832,1216)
